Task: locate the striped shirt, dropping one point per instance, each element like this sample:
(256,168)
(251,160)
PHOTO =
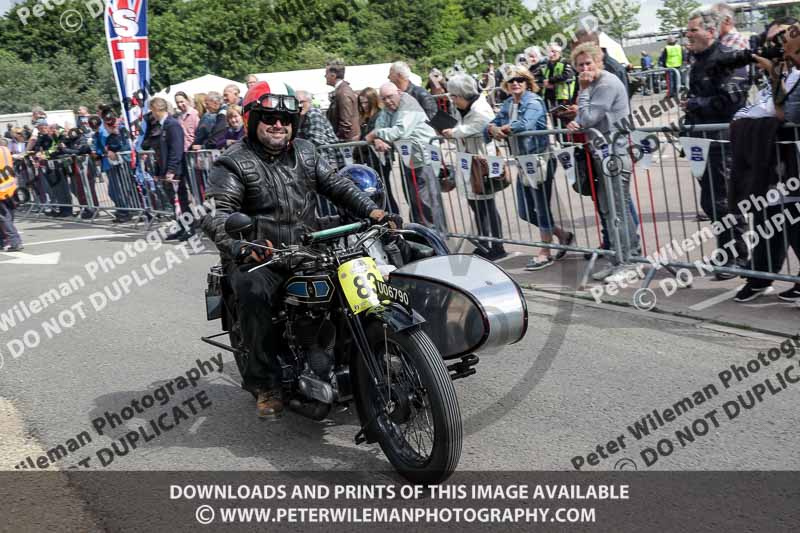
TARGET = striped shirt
(735,41)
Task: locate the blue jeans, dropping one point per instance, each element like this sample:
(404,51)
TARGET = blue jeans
(604,230)
(533,205)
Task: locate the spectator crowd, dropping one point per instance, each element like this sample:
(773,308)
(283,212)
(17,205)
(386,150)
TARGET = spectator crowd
(582,90)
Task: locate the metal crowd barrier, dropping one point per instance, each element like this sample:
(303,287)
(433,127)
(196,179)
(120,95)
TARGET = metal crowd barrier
(677,206)
(657,103)
(666,204)
(58,186)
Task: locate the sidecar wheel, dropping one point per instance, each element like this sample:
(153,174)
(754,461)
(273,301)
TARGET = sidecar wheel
(421,433)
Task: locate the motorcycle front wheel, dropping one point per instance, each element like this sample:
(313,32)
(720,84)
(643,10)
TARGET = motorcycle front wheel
(412,410)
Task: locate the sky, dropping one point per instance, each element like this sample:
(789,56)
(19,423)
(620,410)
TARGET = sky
(647,14)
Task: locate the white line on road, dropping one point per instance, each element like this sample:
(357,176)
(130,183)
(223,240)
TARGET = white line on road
(705,304)
(86,238)
(196,425)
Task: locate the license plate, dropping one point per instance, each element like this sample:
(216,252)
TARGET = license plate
(387,293)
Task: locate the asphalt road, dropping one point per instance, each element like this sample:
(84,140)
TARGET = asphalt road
(580,377)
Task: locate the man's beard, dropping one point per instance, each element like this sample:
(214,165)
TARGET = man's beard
(271,144)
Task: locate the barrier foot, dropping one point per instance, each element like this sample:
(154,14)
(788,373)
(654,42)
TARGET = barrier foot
(648,279)
(588,271)
(479,245)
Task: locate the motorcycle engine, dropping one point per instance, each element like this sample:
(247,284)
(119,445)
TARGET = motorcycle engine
(315,337)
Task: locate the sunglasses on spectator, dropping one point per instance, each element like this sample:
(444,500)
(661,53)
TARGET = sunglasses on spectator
(519,79)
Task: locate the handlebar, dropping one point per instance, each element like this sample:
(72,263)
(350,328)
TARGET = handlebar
(335,233)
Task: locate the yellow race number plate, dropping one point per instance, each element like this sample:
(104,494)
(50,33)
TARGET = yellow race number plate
(358,278)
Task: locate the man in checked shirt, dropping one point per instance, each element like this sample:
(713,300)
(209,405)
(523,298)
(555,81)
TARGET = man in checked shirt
(728,35)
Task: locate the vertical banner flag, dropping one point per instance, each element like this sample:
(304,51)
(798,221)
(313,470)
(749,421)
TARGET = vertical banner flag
(496,165)
(347,155)
(566,158)
(697,151)
(404,147)
(126,33)
(646,142)
(532,172)
(436,158)
(465,165)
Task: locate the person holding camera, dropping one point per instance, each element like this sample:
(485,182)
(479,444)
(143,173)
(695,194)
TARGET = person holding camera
(756,170)
(718,87)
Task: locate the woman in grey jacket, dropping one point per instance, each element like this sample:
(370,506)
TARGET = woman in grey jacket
(602,103)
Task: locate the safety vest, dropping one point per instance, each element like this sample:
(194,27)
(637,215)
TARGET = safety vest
(674,56)
(563,90)
(8,183)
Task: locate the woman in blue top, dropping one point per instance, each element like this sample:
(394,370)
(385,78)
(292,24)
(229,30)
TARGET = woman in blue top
(525,111)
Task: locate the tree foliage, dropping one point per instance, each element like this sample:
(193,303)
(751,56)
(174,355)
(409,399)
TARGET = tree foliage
(617,26)
(675,14)
(44,64)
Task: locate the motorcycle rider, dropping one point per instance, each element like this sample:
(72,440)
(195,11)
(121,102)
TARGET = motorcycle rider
(274,178)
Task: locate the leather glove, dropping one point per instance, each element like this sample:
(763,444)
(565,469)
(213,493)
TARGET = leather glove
(240,250)
(395,221)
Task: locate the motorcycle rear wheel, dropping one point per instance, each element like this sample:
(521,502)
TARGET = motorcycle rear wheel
(421,433)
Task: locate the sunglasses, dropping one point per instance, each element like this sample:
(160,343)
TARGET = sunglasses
(519,79)
(274,102)
(270,119)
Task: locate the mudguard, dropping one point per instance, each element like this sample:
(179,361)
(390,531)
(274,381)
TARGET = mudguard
(394,316)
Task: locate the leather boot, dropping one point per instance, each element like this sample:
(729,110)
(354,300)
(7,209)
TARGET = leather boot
(269,404)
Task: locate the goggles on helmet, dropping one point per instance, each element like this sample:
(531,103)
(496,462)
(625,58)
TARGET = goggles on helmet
(274,102)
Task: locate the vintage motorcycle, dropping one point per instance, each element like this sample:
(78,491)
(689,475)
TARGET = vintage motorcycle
(352,333)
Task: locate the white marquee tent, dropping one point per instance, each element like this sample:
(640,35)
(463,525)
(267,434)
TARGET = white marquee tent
(313,81)
(203,84)
(358,76)
(613,48)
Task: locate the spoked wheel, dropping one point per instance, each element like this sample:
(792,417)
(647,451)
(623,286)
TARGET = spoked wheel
(413,407)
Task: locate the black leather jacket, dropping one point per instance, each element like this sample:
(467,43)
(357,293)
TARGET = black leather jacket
(718,86)
(280,193)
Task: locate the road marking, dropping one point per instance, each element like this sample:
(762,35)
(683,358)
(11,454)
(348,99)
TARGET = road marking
(21,258)
(87,238)
(196,425)
(705,304)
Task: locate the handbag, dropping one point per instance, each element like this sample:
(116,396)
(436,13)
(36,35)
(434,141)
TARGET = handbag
(582,183)
(446,180)
(481,180)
